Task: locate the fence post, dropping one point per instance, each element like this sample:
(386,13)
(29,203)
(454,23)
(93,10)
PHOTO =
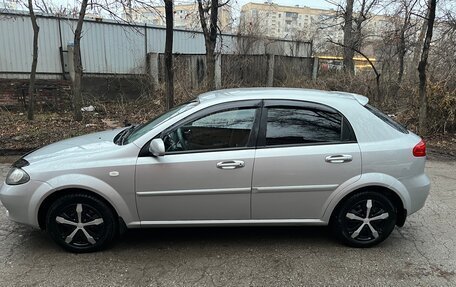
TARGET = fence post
(218,71)
(270,73)
(71,71)
(152,68)
(315,69)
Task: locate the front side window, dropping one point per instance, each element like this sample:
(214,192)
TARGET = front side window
(219,130)
(292,126)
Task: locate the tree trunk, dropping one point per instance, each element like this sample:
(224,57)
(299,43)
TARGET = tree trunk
(422,69)
(418,47)
(401,56)
(210,39)
(31,91)
(348,38)
(169,74)
(78,69)
(210,65)
(402,49)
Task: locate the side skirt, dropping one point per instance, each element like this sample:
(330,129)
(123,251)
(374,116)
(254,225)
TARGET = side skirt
(254,222)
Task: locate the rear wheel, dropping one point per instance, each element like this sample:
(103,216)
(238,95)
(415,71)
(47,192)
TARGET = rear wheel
(81,223)
(365,219)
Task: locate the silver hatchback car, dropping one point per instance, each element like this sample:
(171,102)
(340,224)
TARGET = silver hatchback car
(260,156)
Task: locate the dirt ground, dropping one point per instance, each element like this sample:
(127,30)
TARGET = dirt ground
(18,135)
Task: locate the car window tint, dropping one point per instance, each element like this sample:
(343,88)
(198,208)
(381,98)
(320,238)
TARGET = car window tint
(220,130)
(287,126)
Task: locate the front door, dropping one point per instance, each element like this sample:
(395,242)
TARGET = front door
(207,169)
(305,152)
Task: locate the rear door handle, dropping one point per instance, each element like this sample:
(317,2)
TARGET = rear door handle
(231,164)
(341,158)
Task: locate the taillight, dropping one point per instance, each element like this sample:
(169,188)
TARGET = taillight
(420,149)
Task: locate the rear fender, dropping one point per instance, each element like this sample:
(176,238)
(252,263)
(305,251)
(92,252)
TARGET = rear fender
(368,179)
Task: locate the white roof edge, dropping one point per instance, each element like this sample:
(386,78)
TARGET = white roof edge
(362,100)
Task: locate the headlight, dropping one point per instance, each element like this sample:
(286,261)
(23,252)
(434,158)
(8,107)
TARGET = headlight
(16,176)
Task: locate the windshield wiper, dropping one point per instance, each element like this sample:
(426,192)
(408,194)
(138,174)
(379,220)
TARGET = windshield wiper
(126,134)
(121,137)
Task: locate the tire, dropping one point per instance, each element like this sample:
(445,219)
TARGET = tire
(94,229)
(349,221)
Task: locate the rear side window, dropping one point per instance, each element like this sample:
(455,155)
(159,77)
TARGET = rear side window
(386,119)
(294,126)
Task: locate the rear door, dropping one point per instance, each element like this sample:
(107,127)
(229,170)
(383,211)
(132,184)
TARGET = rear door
(305,151)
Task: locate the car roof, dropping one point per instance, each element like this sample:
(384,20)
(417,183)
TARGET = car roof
(280,93)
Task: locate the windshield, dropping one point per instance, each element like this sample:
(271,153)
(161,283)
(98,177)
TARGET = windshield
(145,128)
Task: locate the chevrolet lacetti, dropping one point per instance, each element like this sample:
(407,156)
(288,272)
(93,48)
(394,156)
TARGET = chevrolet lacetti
(260,156)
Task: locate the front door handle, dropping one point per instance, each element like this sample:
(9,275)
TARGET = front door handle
(341,158)
(231,164)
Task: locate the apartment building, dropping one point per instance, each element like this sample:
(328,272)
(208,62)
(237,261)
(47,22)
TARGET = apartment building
(300,23)
(9,5)
(289,22)
(186,16)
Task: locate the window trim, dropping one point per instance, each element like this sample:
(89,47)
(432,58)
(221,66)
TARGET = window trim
(251,142)
(346,127)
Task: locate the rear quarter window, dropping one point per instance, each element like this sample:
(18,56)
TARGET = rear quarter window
(387,119)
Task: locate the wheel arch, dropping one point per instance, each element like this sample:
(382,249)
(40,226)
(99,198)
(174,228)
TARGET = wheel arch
(124,207)
(389,193)
(382,183)
(47,202)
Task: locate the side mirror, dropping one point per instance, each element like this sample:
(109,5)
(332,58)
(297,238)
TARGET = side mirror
(157,147)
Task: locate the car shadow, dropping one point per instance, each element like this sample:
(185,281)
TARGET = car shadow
(223,236)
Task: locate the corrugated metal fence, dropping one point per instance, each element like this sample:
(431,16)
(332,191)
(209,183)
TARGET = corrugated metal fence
(107,47)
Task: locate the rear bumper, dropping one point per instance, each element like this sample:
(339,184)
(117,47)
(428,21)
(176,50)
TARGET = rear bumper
(418,188)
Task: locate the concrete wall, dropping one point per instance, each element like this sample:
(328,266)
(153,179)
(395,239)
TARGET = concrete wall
(289,69)
(189,74)
(244,70)
(234,70)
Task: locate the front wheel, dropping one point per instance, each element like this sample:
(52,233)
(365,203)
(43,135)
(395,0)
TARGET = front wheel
(365,219)
(81,223)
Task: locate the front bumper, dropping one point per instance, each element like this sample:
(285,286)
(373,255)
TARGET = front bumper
(20,202)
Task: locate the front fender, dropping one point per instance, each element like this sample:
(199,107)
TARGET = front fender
(368,179)
(90,183)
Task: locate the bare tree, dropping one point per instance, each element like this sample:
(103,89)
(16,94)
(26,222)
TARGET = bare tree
(406,14)
(31,90)
(209,10)
(443,57)
(422,68)
(354,14)
(401,37)
(169,75)
(419,45)
(250,35)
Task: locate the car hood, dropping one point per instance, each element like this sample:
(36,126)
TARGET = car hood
(76,148)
